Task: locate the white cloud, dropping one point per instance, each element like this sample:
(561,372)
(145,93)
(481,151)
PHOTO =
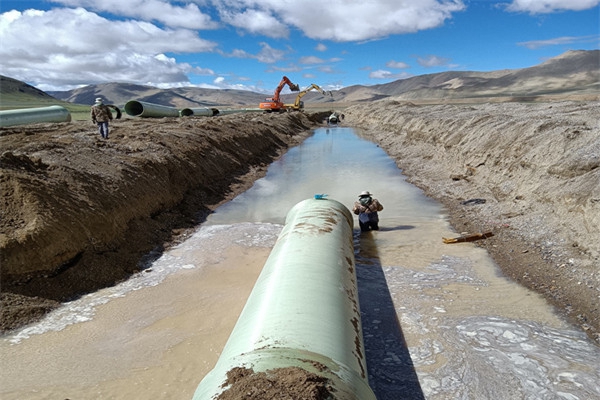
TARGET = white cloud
(327,69)
(535,44)
(433,61)
(188,16)
(342,20)
(383,74)
(269,55)
(86,48)
(397,64)
(256,22)
(550,6)
(311,60)
(321,47)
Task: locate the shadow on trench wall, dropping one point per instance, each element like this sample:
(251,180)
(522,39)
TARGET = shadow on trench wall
(392,375)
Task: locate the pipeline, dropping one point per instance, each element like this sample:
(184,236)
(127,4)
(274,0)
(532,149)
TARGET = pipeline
(142,109)
(239,110)
(211,112)
(34,115)
(199,112)
(303,310)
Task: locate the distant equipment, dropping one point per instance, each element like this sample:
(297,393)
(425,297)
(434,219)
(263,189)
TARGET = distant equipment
(274,103)
(299,104)
(335,118)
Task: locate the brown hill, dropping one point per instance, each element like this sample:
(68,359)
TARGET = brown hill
(574,72)
(121,93)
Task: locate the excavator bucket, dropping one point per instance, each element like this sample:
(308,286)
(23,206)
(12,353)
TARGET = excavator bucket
(294,87)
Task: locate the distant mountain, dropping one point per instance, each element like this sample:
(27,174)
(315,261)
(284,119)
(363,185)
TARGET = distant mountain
(121,93)
(12,87)
(572,73)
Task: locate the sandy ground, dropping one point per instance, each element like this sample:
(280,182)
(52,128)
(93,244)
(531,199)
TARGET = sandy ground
(526,172)
(74,204)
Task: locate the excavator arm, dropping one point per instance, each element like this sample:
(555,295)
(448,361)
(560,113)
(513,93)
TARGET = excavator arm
(274,103)
(298,103)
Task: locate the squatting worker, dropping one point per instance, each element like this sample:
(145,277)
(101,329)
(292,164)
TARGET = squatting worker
(366,208)
(101,115)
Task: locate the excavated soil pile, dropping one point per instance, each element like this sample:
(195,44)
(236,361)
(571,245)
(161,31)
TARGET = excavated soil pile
(80,213)
(280,383)
(529,173)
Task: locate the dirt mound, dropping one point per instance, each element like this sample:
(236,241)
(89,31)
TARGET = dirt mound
(279,383)
(80,212)
(535,169)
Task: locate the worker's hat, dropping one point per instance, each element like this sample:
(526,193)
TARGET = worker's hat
(364,193)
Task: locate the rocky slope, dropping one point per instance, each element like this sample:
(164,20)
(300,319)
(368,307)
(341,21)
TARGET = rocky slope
(527,172)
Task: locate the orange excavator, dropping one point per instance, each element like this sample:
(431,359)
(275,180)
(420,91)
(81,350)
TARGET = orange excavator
(274,103)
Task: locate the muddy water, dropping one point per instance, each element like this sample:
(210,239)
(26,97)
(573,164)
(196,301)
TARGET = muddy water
(439,321)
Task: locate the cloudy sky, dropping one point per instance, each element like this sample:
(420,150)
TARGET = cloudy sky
(251,44)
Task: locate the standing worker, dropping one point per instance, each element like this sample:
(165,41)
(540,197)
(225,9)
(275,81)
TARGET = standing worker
(101,115)
(366,208)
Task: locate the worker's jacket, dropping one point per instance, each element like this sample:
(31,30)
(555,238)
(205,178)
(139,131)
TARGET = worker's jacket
(101,113)
(367,212)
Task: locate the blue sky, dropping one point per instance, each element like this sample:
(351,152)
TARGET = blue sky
(251,44)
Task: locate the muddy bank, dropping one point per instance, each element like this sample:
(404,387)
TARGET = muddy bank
(80,213)
(527,172)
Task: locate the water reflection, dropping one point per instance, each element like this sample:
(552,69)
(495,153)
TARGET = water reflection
(337,163)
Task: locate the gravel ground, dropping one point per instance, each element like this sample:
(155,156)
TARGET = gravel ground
(528,172)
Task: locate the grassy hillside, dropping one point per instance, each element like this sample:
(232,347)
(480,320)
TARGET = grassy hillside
(15,94)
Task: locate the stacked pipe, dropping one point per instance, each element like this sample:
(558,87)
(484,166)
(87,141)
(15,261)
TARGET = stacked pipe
(303,311)
(144,109)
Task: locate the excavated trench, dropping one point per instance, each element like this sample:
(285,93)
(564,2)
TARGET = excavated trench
(439,320)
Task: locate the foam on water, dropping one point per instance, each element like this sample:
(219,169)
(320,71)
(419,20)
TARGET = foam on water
(453,346)
(210,240)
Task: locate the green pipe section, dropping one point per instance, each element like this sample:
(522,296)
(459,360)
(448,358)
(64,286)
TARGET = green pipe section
(34,115)
(239,110)
(211,112)
(198,112)
(303,310)
(148,110)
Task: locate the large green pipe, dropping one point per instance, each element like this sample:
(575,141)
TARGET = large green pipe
(142,109)
(303,310)
(199,112)
(34,115)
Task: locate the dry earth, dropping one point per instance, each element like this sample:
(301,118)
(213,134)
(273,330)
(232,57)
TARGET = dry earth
(536,166)
(80,213)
